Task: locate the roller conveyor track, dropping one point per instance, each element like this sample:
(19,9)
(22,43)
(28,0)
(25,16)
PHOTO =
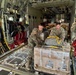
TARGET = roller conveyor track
(15,54)
(9,63)
(9,52)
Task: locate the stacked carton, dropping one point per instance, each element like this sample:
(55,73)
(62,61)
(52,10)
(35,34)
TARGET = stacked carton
(54,61)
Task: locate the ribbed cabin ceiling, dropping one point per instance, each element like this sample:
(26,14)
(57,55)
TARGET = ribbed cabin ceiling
(53,3)
(54,6)
(49,6)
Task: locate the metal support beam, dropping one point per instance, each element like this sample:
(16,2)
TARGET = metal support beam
(2,4)
(2,7)
(3,29)
(75,10)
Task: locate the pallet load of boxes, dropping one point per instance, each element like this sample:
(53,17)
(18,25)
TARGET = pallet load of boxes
(53,57)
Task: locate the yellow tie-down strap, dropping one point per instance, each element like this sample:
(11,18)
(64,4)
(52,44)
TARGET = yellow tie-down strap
(54,47)
(57,39)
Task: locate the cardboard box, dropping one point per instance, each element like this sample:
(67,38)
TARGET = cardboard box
(48,63)
(62,65)
(51,59)
(57,55)
(37,63)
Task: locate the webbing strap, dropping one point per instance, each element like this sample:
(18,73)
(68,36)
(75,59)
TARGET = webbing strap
(57,39)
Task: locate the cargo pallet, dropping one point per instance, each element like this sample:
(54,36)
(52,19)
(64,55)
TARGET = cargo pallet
(42,71)
(45,61)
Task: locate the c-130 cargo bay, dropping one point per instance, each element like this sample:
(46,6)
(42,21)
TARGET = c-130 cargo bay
(42,32)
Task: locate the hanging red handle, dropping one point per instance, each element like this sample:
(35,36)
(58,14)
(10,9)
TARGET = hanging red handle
(74,45)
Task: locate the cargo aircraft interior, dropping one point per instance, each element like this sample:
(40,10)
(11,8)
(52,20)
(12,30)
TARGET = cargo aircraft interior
(17,20)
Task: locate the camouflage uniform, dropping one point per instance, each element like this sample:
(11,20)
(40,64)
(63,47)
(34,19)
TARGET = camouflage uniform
(73,31)
(58,32)
(33,40)
(40,36)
